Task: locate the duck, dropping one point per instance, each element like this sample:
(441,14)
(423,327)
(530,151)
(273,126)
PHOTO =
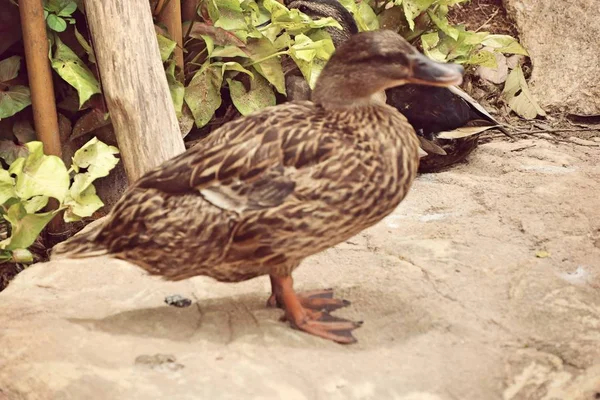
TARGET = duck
(447,120)
(265,191)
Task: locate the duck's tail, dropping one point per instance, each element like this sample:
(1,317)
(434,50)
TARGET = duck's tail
(82,245)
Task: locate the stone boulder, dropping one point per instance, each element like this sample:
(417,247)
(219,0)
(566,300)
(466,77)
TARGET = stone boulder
(482,285)
(563,40)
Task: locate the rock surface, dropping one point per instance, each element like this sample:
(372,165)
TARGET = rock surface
(563,40)
(483,285)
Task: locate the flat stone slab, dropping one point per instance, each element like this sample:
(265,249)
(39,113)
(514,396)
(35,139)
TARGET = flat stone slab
(563,40)
(483,285)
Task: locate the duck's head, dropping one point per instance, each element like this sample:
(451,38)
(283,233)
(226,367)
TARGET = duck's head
(328,8)
(370,62)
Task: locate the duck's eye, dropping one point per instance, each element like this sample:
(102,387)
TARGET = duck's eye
(303,9)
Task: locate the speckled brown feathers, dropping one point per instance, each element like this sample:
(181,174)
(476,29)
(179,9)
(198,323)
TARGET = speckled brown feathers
(262,193)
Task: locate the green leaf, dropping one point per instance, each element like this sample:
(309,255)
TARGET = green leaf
(228,51)
(35,204)
(504,44)
(484,58)
(306,49)
(294,21)
(269,66)
(86,46)
(519,98)
(366,17)
(9,68)
(25,228)
(258,97)
(442,23)
(97,157)
(166,47)
(413,8)
(203,94)
(14,100)
(234,66)
(23,256)
(7,186)
(441,47)
(74,71)
(56,23)
(176,88)
(231,20)
(40,175)
(81,202)
(68,9)
(311,56)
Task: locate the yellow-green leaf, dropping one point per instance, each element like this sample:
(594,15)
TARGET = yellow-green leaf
(74,71)
(165,46)
(25,228)
(9,68)
(504,44)
(203,94)
(81,203)
(40,175)
(258,97)
(519,98)
(7,186)
(86,46)
(176,88)
(413,8)
(14,100)
(97,157)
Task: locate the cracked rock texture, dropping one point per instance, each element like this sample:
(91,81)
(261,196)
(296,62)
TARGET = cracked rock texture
(456,305)
(562,38)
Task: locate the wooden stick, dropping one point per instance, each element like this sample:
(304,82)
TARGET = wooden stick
(170,16)
(134,82)
(39,71)
(43,103)
(555,131)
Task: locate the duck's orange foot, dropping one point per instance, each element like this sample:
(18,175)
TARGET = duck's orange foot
(323,324)
(319,300)
(301,311)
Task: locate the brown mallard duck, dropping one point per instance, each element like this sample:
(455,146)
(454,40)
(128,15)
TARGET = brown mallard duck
(447,120)
(265,191)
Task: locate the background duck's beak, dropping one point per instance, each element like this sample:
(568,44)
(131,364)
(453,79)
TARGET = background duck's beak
(428,72)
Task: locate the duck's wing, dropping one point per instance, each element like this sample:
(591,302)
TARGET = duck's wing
(480,109)
(242,165)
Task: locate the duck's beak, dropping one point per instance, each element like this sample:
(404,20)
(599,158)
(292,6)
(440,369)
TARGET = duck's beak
(425,71)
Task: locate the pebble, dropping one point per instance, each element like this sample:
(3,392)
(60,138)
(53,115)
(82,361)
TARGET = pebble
(178,301)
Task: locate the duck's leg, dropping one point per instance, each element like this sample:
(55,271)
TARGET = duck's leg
(315,300)
(318,323)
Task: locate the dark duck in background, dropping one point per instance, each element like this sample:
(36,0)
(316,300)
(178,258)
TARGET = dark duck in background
(265,191)
(448,121)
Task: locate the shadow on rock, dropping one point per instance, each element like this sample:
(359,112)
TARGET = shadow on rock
(388,319)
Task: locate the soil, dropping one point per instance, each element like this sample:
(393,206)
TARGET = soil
(483,15)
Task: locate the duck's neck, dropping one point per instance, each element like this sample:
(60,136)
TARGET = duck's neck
(333,101)
(343,87)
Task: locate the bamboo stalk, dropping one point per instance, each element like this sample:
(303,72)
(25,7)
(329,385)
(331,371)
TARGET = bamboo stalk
(170,16)
(43,103)
(39,71)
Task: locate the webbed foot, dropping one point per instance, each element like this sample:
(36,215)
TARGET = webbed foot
(300,311)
